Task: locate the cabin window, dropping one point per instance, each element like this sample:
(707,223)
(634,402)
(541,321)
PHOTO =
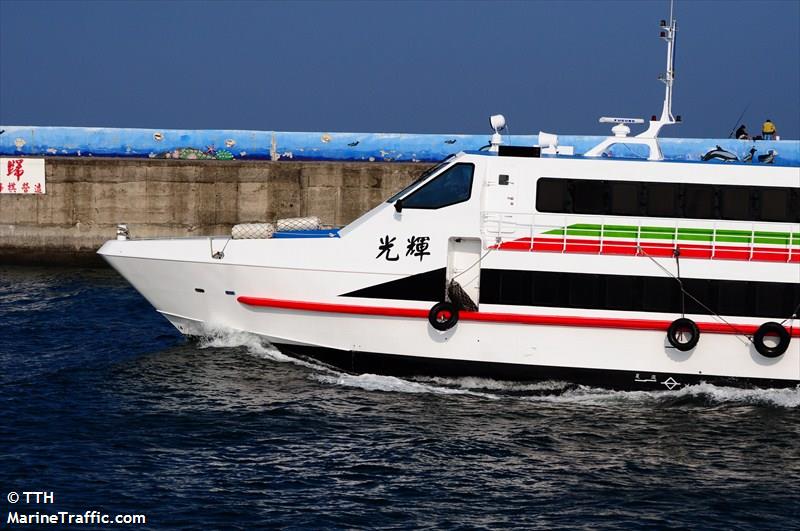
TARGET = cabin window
(659,294)
(662,199)
(734,202)
(547,289)
(701,291)
(451,187)
(794,205)
(621,292)
(667,200)
(732,298)
(768,295)
(589,197)
(515,287)
(774,205)
(427,173)
(585,291)
(699,201)
(551,195)
(639,294)
(625,198)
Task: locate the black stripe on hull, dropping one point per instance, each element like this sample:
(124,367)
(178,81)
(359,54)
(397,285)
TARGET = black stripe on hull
(428,286)
(596,291)
(404,366)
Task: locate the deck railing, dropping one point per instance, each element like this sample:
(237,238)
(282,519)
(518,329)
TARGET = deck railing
(719,240)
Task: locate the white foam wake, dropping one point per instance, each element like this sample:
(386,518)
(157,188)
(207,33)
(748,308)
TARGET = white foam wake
(562,392)
(789,398)
(220,337)
(473,382)
(547,391)
(376,382)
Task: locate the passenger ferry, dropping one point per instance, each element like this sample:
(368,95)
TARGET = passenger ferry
(523,263)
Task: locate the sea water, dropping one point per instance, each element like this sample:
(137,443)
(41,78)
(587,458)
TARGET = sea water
(107,408)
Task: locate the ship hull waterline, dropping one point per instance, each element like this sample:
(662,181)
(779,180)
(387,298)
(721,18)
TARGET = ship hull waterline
(642,358)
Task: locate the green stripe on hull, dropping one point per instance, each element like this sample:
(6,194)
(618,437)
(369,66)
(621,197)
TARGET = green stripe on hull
(683,234)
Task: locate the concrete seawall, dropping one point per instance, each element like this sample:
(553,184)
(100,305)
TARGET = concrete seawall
(168,183)
(87,197)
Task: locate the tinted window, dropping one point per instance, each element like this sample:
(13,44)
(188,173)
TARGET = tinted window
(619,295)
(515,287)
(699,296)
(589,197)
(547,289)
(662,199)
(774,204)
(584,291)
(625,199)
(794,205)
(551,195)
(451,187)
(768,294)
(698,201)
(668,200)
(427,173)
(660,294)
(734,202)
(633,293)
(732,298)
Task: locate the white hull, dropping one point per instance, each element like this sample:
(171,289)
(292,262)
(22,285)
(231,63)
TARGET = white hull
(643,355)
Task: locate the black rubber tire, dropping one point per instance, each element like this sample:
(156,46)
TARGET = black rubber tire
(771,329)
(675,334)
(443,316)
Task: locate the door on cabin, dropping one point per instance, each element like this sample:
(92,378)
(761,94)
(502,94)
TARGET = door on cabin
(464,269)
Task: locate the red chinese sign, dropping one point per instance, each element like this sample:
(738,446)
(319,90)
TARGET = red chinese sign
(15,168)
(22,176)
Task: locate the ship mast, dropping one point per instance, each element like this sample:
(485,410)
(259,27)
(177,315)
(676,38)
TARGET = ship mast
(668,34)
(648,137)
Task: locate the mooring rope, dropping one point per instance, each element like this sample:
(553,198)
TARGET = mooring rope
(698,301)
(219,255)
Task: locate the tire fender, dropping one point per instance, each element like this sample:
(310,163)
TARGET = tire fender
(683,334)
(443,316)
(771,329)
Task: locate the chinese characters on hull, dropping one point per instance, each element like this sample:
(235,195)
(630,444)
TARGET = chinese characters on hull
(417,247)
(385,249)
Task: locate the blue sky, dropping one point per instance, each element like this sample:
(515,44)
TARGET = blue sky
(417,67)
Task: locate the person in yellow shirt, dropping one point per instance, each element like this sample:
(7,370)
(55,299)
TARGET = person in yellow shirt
(768,130)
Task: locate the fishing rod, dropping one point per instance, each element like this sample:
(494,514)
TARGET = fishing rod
(739,120)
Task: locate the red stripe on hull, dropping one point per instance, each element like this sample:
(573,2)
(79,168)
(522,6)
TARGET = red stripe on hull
(628,248)
(552,320)
(332,308)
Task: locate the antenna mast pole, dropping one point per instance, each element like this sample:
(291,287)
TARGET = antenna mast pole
(668,34)
(650,136)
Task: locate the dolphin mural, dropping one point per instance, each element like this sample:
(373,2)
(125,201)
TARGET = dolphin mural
(721,154)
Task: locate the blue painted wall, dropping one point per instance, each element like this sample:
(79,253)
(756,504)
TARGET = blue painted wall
(277,145)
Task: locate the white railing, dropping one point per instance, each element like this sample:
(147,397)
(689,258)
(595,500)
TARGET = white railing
(715,240)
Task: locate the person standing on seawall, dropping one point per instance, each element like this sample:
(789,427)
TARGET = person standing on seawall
(768,130)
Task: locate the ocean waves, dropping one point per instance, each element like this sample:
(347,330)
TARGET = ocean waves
(107,406)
